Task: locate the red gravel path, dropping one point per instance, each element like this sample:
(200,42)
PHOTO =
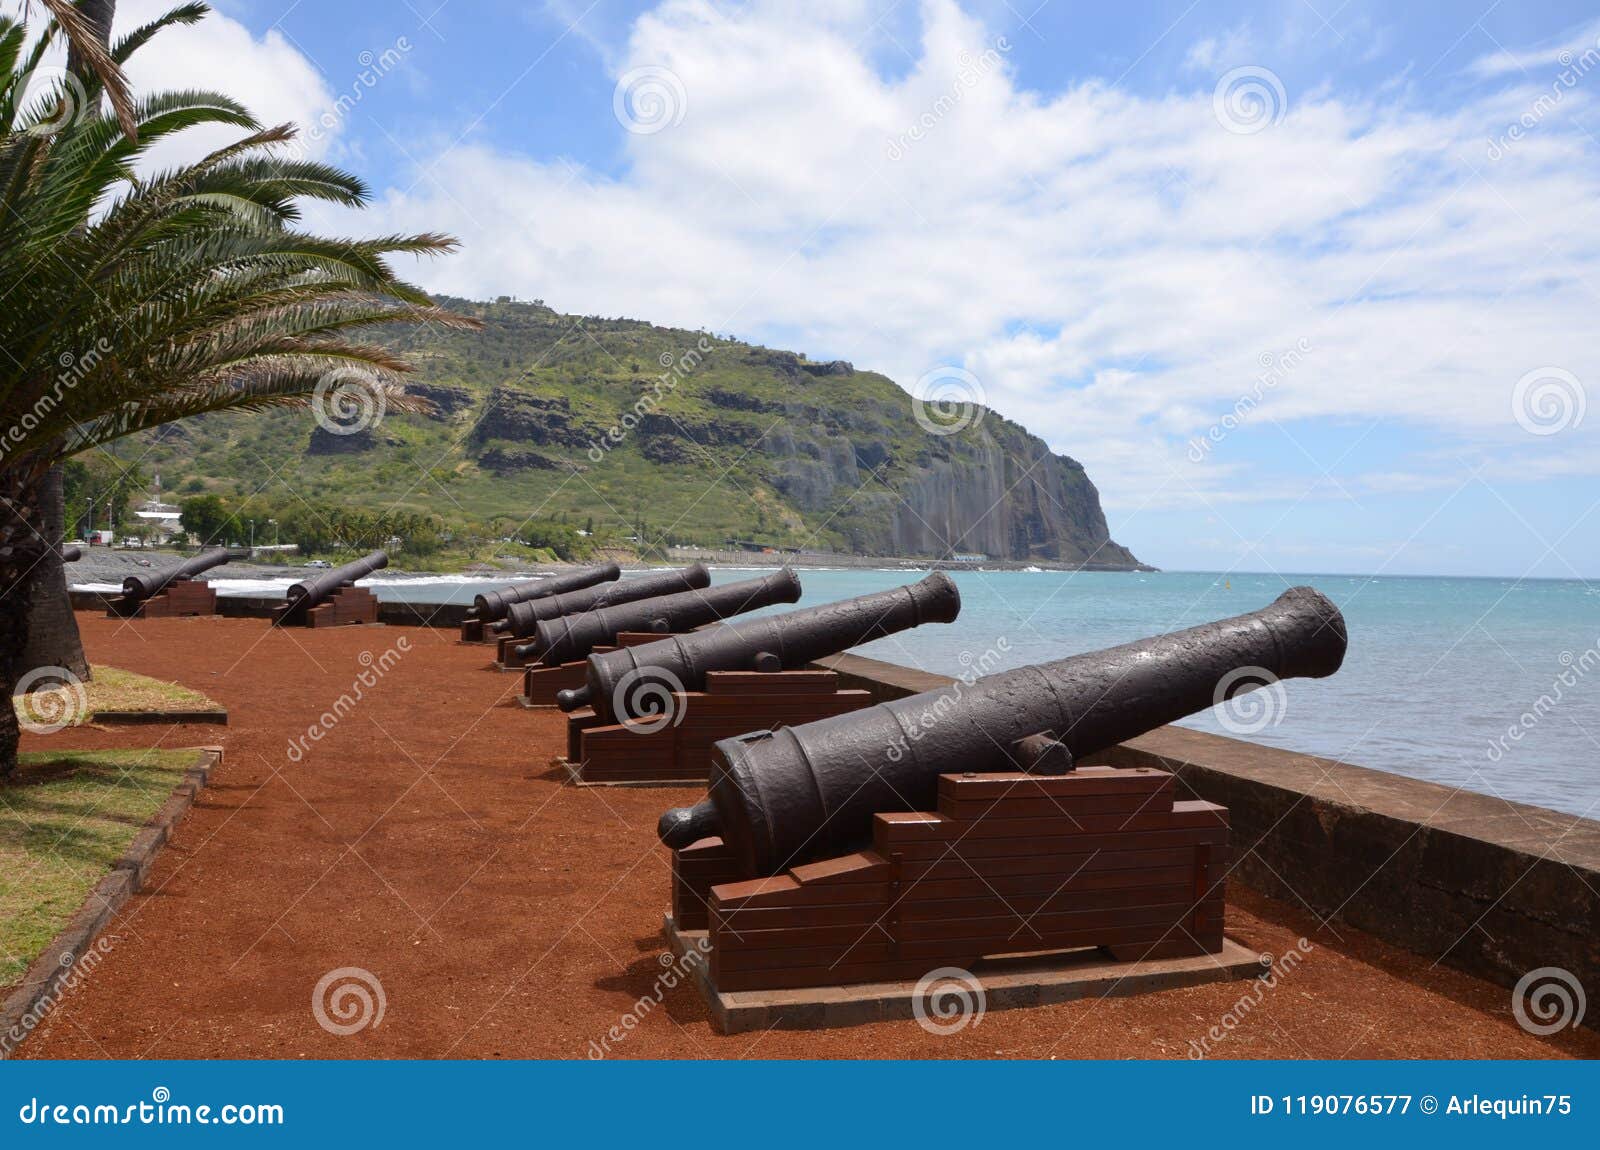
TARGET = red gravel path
(427,840)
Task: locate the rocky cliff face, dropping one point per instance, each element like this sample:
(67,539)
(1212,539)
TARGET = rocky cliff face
(996,491)
(1010,500)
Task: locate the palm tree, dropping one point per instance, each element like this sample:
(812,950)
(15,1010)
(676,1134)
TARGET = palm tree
(53,638)
(131,301)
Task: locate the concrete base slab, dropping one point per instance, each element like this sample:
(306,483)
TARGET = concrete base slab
(1004,983)
(530,705)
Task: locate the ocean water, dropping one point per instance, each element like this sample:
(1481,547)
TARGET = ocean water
(1491,685)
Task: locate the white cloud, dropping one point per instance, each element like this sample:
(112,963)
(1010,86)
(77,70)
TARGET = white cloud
(1567,51)
(267,74)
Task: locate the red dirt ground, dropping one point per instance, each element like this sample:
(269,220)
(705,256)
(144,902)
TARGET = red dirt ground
(427,840)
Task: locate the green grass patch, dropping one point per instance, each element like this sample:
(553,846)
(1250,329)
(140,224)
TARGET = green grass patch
(65,818)
(109,689)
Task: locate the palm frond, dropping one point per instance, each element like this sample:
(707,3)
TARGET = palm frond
(187,292)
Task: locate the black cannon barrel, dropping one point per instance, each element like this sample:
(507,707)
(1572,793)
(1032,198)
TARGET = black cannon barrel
(492,605)
(71,553)
(780,798)
(571,637)
(307,593)
(521,619)
(620,684)
(138,588)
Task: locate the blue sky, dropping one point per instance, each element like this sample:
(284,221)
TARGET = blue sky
(1307,287)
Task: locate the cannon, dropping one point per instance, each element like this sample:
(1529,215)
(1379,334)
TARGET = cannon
(522,617)
(138,588)
(303,599)
(811,791)
(571,637)
(619,683)
(493,605)
(71,553)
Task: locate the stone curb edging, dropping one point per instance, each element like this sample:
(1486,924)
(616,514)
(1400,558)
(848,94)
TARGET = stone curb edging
(136,718)
(77,939)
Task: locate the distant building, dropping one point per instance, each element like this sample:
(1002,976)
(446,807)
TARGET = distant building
(161,518)
(968,558)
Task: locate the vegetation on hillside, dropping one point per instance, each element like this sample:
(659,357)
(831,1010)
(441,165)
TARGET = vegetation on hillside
(650,436)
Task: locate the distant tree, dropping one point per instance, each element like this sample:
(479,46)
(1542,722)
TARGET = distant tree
(205,518)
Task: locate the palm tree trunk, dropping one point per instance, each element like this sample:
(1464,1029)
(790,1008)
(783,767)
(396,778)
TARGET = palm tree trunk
(22,546)
(53,639)
(98,13)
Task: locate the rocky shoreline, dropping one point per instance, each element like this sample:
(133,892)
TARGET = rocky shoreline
(103,566)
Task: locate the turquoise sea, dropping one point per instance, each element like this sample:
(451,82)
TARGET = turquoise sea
(1439,674)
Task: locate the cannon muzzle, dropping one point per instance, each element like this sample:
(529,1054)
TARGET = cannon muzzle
(523,617)
(811,791)
(71,553)
(571,637)
(492,605)
(624,684)
(138,588)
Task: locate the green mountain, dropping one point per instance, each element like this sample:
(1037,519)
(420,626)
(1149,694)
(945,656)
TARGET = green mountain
(676,436)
